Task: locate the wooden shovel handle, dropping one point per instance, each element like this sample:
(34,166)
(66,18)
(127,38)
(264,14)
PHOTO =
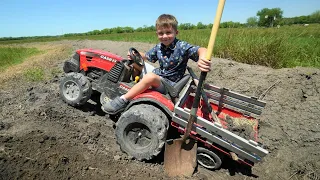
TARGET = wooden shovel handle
(203,75)
(204,96)
(214,29)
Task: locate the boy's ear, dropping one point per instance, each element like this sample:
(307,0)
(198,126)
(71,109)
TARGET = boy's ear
(177,32)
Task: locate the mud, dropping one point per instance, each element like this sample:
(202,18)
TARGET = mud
(242,127)
(43,138)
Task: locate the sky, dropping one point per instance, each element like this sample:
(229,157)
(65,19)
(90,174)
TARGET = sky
(55,17)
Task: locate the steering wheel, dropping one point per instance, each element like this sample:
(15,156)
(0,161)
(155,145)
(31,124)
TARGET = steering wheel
(136,56)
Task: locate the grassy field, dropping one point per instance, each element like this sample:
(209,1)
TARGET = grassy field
(31,63)
(283,47)
(14,55)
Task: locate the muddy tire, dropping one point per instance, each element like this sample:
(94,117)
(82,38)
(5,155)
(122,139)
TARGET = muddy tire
(75,89)
(208,159)
(141,131)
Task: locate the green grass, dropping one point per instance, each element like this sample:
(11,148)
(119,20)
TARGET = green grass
(55,72)
(35,74)
(276,48)
(14,55)
(286,47)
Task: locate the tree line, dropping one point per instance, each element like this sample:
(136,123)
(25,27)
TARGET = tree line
(274,17)
(264,18)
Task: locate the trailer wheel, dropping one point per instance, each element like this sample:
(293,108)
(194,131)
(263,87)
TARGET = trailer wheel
(208,159)
(141,131)
(75,89)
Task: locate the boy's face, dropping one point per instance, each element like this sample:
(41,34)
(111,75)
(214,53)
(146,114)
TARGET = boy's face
(166,35)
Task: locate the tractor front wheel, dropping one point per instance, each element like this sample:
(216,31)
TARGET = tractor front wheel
(141,131)
(75,89)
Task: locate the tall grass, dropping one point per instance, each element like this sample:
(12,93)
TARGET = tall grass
(14,55)
(288,46)
(276,48)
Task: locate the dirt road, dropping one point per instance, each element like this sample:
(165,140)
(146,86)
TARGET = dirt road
(43,138)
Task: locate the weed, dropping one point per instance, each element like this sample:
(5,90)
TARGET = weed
(34,74)
(56,72)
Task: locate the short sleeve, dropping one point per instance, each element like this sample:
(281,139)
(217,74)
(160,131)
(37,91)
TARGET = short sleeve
(151,55)
(193,53)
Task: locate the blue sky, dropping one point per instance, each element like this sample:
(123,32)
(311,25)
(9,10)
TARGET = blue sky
(54,17)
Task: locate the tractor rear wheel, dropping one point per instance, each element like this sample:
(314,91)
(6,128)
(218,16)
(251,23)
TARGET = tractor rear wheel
(75,89)
(141,131)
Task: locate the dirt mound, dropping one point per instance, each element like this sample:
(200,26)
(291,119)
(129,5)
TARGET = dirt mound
(42,137)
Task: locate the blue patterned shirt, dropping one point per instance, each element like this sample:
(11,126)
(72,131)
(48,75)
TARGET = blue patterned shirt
(173,59)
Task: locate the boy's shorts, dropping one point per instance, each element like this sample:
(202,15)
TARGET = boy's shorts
(161,89)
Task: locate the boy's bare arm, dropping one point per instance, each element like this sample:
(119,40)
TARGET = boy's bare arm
(203,63)
(202,52)
(144,56)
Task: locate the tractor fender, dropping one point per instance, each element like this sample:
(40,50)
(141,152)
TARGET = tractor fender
(166,108)
(73,64)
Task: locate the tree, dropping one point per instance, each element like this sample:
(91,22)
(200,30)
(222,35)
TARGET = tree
(139,29)
(315,17)
(201,26)
(301,19)
(106,31)
(252,21)
(117,30)
(186,26)
(269,17)
(230,24)
(146,28)
(128,29)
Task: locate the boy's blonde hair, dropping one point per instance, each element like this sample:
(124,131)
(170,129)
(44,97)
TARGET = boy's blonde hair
(167,20)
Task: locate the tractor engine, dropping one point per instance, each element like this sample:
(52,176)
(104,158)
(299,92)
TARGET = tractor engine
(94,74)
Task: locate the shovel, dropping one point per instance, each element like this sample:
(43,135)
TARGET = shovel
(204,96)
(180,156)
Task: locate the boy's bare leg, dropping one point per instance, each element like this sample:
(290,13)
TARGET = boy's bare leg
(118,104)
(148,80)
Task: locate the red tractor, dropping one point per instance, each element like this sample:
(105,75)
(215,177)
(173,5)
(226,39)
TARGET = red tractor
(142,127)
(141,130)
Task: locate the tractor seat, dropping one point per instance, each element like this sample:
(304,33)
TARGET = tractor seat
(174,91)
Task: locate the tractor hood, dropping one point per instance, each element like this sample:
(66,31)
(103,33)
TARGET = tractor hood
(99,54)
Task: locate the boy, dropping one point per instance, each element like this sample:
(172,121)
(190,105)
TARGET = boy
(172,54)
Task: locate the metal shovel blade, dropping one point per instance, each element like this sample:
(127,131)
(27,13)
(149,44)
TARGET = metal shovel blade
(180,157)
